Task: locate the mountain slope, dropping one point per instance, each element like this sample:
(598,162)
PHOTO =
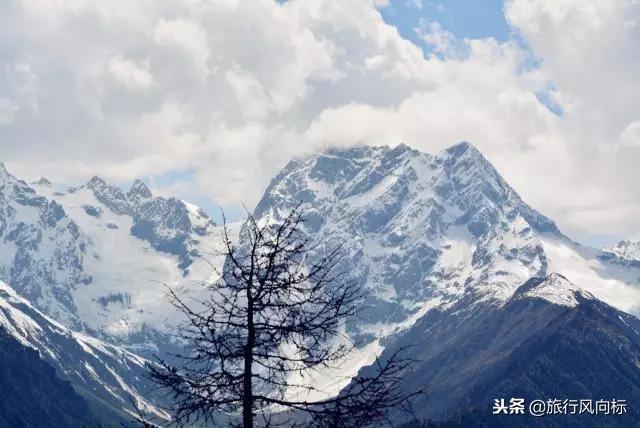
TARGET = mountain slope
(41,251)
(97,258)
(136,246)
(31,394)
(104,373)
(551,340)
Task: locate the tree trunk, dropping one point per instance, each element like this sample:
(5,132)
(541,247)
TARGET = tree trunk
(247,399)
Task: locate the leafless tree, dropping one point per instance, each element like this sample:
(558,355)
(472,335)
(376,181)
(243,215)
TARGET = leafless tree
(274,313)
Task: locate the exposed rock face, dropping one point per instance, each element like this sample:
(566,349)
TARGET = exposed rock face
(110,196)
(92,210)
(166,225)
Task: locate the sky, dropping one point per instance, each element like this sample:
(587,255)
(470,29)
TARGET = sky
(208,99)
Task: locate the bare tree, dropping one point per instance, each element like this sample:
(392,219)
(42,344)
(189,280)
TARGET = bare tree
(273,313)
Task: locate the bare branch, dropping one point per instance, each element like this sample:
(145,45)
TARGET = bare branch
(278,308)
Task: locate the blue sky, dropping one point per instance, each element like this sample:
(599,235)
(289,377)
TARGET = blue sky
(463,18)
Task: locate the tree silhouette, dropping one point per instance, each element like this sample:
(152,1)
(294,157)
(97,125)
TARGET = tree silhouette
(274,313)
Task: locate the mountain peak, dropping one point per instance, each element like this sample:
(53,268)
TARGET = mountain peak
(462,148)
(43,181)
(555,288)
(139,190)
(468,157)
(3,172)
(484,190)
(627,249)
(7,178)
(111,196)
(95,181)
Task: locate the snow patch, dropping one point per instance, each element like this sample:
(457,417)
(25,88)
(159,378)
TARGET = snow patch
(557,290)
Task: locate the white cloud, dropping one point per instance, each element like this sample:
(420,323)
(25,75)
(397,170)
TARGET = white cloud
(186,35)
(438,39)
(253,100)
(8,111)
(631,134)
(130,73)
(231,90)
(591,56)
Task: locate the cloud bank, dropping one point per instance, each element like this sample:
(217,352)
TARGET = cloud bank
(227,91)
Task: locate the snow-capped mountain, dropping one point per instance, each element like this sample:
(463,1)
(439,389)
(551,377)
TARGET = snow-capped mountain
(41,251)
(555,289)
(439,236)
(420,230)
(102,372)
(97,259)
(436,240)
(625,252)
